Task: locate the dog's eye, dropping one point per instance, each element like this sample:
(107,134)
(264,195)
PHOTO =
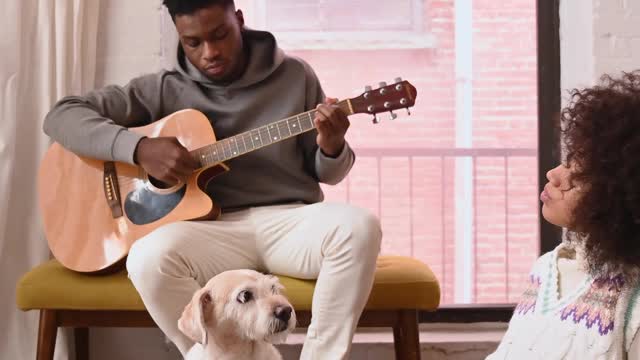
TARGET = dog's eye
(245,296)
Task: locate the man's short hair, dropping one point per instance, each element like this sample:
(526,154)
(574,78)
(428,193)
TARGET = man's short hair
(188,7)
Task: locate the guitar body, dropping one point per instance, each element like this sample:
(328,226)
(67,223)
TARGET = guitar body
(82,231)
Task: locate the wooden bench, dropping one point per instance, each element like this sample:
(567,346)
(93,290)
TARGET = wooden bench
(402,287)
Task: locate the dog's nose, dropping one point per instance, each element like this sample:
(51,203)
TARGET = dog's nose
(282,313)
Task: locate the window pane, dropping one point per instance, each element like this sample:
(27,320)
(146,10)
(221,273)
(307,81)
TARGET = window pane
(338,15)
(455,183)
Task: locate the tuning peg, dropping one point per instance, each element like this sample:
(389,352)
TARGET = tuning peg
(375,119)
(367,89)
(398,80)
(382,84)
(393,116)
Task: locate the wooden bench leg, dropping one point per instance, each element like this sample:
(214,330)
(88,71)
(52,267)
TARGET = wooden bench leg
(47,332)
(406,338)
(81,340)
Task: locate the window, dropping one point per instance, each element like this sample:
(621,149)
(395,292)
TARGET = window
(336,24)
(455,184)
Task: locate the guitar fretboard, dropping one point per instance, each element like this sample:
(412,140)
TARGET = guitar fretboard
(255,139)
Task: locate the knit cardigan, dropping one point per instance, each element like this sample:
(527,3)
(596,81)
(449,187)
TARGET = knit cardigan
(597,319)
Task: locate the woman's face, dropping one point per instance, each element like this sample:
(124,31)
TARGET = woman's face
(560,197)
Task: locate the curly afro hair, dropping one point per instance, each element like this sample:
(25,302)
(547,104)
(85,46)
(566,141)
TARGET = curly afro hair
(187,7)
(602,140)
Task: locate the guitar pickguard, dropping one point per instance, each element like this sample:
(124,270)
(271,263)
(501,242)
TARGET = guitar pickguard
(144,206)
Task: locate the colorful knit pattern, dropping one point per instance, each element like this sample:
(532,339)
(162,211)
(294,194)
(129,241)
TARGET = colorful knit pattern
(528,301)
(597,306)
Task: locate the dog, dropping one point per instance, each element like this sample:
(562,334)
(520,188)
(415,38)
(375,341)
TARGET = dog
(239,315)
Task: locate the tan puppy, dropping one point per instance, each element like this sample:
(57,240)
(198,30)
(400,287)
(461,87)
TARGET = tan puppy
(239,314)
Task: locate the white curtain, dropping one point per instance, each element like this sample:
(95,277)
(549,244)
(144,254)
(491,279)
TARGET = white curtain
(47,51)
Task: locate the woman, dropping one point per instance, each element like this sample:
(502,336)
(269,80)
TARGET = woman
(582,300)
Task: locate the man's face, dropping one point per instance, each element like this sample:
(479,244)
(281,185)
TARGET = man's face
(212,41)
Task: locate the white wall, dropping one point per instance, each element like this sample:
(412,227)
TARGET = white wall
(596,36)
(616,30)
(129,39)
(576,44)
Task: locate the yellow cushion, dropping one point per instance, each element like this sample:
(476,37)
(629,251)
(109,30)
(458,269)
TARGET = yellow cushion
(400,283)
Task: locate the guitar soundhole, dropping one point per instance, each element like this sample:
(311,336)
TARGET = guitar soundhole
(158,184)
(144,206)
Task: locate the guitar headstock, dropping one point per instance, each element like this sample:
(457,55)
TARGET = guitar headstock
(400,95)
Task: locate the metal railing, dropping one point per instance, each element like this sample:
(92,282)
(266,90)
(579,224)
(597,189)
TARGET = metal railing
(443,154)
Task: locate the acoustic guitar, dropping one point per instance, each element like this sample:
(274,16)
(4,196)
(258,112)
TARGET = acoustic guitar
(93,210)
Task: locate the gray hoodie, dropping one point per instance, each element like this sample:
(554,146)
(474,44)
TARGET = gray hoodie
(273,87)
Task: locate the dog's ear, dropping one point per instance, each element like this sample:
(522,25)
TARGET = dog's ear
(196,315)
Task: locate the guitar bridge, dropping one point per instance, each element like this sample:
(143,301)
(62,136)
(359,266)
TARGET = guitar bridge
(111,189)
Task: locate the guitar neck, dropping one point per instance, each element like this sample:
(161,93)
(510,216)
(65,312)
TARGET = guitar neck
(258,138)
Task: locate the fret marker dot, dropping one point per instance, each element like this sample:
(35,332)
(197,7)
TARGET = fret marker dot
(203,156)
(256,138)
(275,138)
(234,153)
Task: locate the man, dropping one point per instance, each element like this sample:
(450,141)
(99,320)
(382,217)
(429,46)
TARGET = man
(273,219)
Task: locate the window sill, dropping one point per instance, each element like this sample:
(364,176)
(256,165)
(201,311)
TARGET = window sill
(429,333)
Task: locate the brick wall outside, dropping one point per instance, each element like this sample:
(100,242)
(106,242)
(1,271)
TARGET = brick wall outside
(505,115)
(407,192)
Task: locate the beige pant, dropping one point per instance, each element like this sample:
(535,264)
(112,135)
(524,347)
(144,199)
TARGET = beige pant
(334,243)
